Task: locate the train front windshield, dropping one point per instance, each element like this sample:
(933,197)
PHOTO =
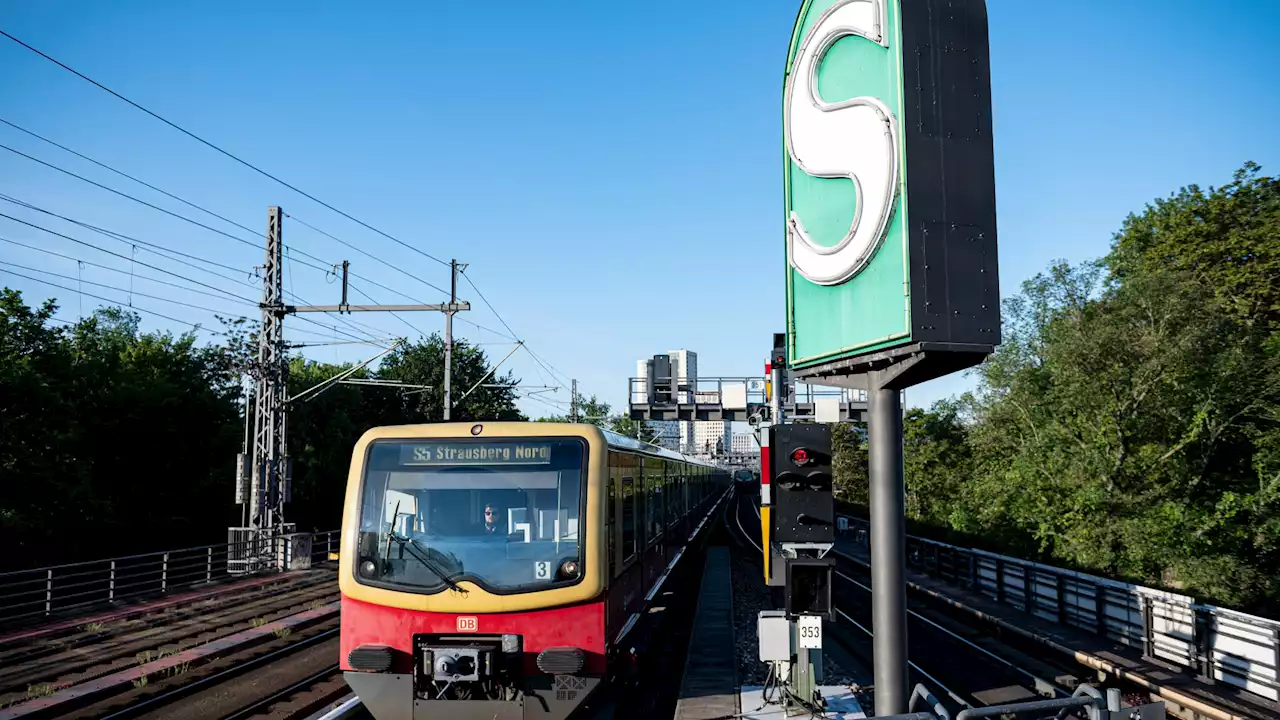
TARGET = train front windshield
(504,514)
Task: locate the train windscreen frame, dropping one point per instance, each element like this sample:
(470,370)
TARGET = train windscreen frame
(424,525)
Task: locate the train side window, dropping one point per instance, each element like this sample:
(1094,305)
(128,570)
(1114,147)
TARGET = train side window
(653,495)
(612,522)
(628,518)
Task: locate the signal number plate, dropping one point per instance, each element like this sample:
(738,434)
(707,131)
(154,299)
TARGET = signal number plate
(467,623)
(809,630)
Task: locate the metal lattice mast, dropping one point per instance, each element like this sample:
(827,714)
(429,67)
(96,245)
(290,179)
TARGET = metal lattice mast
(262,473)
(268,494)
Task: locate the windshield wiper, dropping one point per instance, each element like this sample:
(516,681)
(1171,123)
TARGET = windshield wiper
(425,560)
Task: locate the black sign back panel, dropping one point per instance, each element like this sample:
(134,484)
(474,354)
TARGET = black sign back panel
(950,178)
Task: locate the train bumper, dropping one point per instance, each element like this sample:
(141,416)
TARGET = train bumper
(389,696)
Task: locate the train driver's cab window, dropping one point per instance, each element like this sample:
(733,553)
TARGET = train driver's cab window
(504,514)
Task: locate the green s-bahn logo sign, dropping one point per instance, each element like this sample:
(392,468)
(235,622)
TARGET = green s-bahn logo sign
(832,136)
(889,185)
(845,205)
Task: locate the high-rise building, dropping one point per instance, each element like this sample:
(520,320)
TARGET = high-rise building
(745,444)
(713,437)
(666,433)
(675,434)
(684,368)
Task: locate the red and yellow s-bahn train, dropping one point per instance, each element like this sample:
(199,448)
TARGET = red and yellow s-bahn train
(496,569)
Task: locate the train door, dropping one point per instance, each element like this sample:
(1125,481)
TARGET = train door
(626,593)
(654,560)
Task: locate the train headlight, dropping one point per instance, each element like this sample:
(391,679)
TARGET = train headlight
(369,568)
(569,568)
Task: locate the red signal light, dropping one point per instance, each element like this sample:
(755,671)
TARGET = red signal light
(800,456)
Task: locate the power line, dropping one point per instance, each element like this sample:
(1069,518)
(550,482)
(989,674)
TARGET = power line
(396,315)
(216,313)
(528,349)
(250,166)
(114,269)
(118,289)
(197,223)
(196,326)
(123,194)
(393,266)
(170,213)
(121,173)
(192,135)
(116,254)
(155,267)
(161,250)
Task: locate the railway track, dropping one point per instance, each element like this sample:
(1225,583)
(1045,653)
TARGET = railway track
(965,667)
(154,665)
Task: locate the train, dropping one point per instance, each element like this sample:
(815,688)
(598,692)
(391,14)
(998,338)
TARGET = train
(501,569)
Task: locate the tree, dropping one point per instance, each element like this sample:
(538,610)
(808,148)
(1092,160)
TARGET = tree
(849,463)
(937,462)
(478,392)
(127,437)
(1129,424)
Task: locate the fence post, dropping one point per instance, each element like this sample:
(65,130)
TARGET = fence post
(1029,588)
(164,574)
(999,580)
(1203,622)
(328,546)
(208,566)
(1148,626)
(48,591)
(1100,602)
(975,578)
(1062,599)
(111,589)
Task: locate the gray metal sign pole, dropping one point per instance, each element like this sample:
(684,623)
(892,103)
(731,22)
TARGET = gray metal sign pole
(888,546)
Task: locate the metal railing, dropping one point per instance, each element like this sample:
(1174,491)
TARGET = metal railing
(1218,644)
(725,390)
(26,595)
(924,706)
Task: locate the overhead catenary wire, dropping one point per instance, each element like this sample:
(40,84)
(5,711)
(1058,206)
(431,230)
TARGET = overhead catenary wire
(228,154)
(47,251)
(113,287)
(322,386)
(162,250)
(166,211)
(366,253)
(513,335)
(116,254)
(130,305)
(143,264)
(125,175)
(117,303)
(260,171)
(158,249)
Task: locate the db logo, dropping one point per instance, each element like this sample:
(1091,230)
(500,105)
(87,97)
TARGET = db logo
(467,623)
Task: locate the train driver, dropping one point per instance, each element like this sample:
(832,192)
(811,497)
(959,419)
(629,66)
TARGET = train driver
(490,520)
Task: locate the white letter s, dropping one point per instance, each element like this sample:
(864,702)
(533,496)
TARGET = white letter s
(855,139)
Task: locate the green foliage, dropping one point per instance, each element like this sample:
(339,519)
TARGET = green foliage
(1130,423)
(114,441)
(109,438)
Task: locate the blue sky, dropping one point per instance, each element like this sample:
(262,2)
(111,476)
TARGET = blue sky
(611,172)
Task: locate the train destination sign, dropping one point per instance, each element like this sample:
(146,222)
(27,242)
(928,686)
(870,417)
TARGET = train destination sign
(495,453)
(889,189)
